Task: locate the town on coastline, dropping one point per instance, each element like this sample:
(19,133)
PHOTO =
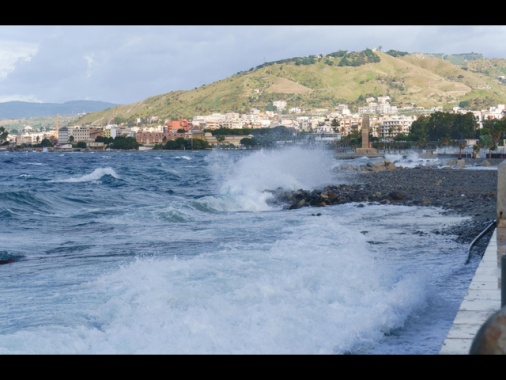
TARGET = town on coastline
(385,124)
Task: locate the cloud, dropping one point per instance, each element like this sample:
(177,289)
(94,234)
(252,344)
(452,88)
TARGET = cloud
(12,54)
(124,64)
(21,98)
(90,63)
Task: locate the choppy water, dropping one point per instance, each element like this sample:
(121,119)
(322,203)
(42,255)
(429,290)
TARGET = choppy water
(182,253)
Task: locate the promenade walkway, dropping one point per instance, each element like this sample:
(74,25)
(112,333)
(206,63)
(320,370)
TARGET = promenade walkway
(484,295)
(483,299)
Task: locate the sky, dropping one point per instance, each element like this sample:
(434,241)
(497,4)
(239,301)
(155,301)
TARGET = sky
(124,64)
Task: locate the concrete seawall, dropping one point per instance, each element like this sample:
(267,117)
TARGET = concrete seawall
(483,297)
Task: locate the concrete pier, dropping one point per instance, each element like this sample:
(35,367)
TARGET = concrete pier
(483,299)
(484,295)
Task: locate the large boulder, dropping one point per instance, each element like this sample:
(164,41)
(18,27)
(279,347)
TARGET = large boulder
(379,166)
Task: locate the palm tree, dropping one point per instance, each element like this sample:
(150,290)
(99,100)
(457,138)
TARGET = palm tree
(461,146)
(476,150)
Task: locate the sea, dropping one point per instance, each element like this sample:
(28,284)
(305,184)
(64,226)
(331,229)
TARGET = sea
(185,253)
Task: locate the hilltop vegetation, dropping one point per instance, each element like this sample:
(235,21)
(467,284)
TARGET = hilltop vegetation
(325,81)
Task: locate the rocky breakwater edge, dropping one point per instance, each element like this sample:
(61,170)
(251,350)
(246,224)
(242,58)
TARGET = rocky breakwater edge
(466,192)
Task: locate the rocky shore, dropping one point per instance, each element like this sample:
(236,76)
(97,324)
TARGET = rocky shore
(455,189)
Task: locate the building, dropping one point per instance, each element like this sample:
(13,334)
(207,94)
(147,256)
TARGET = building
(80,134)
(151,138)
(63,135)
(175,125)
(392,126)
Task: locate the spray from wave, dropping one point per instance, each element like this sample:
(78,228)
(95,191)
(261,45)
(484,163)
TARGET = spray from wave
(94,176)
(244,182)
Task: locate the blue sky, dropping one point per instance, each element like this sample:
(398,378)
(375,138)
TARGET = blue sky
(127,64)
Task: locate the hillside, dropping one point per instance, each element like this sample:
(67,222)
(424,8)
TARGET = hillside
(324,82)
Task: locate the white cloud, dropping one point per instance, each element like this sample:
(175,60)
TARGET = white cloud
(90,64)
(126,63)
(13,53)
(20,98)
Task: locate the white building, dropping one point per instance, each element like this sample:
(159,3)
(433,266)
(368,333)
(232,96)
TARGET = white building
(63,136)
(279,104)
(79,133)
(394,125)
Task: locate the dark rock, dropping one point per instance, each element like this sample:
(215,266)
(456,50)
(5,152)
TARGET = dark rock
(396,195)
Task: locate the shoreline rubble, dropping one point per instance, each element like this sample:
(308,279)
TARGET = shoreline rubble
(467,192)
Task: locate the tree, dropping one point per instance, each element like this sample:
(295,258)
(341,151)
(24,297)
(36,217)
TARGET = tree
(118,120)
(335,125)
(105,140)
(220,139)
(248,142)
(444,127)
(182,143)
(476,150)
(440,127)
(3,136)
(46,143)
(126,143)
(464,103)
(200,144)
(461,146)
(486,141)
(464,126)
(496,128)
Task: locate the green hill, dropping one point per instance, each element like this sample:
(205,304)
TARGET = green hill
(426,80)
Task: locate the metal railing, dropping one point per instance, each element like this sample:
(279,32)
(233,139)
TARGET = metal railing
(477,238)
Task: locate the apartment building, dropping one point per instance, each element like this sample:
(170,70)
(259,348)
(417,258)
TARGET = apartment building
(63,135)
(349,124)
(392,126)
(175,125)
(80,133)
(229,140)
(150,138)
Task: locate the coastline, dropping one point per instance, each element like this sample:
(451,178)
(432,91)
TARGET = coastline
(464,191)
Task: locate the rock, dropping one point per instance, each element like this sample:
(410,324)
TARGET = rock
(378,166)
(396,196)
(470,193)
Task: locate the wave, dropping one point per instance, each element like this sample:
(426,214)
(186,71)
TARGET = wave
(244,181)
(94,176)
(293,295)
(21,200)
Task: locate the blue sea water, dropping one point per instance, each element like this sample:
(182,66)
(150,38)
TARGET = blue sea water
(165,252)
